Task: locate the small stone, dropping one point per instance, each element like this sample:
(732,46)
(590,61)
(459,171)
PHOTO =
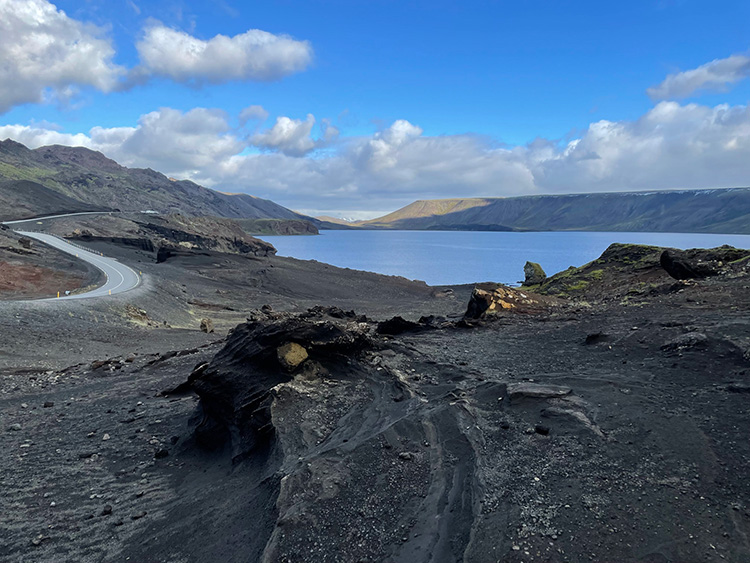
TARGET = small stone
(162,453)
(537,391)
(138,515)
(105,437)
(48,404)
(405,456)
(53,504)
(16,427)
(541,429)
(24,405)
(516,548)
(107,510)
(207,325)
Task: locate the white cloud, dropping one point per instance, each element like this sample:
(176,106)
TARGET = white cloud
(47,55)
(253,113)
(292,136)
(253,55)
(39,136)
(671,146)
(168,140)
(716,75)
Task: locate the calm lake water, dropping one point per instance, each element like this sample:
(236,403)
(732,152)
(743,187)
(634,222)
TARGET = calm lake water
(456,257)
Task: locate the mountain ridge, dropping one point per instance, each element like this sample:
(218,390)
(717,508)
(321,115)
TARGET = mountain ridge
(712,210)
(79,174)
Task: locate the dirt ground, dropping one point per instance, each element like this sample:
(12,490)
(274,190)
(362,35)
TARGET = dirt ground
(32,270)
(594,431)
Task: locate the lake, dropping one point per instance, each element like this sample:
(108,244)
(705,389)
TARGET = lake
(460,257)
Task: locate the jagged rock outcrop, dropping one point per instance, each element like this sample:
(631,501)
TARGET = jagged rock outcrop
(489,299)
(168,235)
(236,387)
(533,273)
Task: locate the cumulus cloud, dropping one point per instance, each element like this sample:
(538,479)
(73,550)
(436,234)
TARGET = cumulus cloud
(716,75)
(41,135)
(47,55)
(168,140)
(672,146)
(253,113)
(253,55)
(293,136)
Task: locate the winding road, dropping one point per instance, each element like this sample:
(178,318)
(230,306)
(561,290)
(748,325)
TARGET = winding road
(120,278)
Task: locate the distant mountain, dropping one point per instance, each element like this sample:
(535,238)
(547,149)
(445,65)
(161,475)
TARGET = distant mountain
(333,223)
(700,211)
(59,179)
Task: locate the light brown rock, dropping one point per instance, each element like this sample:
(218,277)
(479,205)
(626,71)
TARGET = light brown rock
(291,355)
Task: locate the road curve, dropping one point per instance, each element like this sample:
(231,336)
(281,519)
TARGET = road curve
(120,278)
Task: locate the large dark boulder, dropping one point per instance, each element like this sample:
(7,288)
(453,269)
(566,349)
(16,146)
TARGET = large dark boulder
(235,388)
(681,267)
(698,263)
(398,325)
(164,253)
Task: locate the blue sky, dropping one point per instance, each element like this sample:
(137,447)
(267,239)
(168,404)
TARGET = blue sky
(384,102)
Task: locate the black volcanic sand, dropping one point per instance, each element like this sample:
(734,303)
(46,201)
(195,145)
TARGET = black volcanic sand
(419,447)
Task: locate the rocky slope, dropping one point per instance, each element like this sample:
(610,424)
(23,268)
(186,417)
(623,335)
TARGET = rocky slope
(575,427)
(164,235)
(277,226)
(698,211)
(626,272)
(20,199)
(77,174)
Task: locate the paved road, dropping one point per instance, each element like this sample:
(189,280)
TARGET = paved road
(40,219)
(120,278)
